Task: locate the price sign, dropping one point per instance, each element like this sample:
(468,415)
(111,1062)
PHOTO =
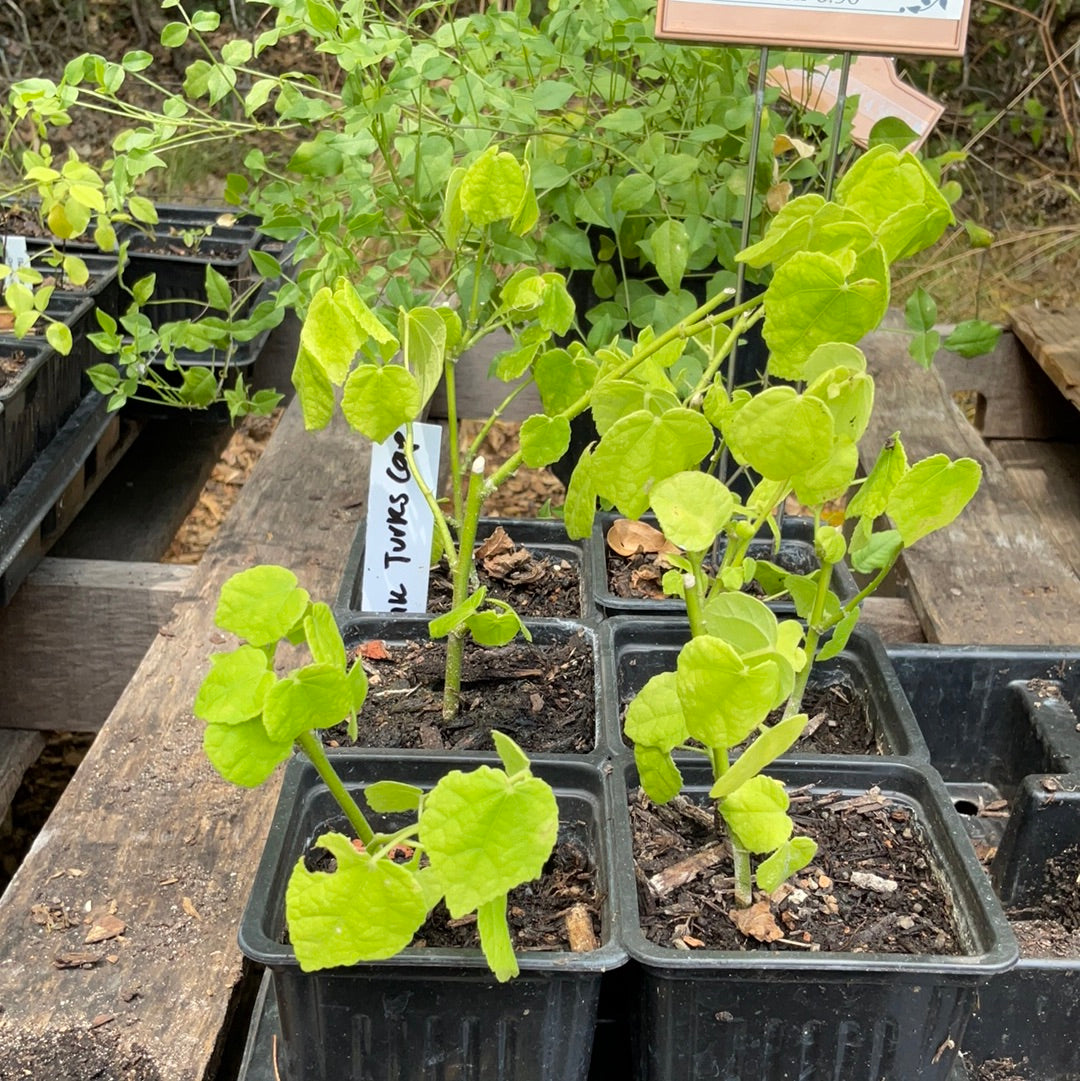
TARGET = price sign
(915,27)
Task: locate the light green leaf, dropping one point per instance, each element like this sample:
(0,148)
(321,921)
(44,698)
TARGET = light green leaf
(723,698)
(579,508)
(544,440)
(486,833)
(513,758)
(235,687)
(641,449)
(781,433)
(365,910)
(655,718)
(670,245)
(657,772)
(261,604)
(772,743)
(314,389)
(692,508)
(495,939)
(756,813)
(873,495)
(423,335)
(315,696)
(392,797)
(218,292)
(931,494)
(323,636)
(550,95)
(329,334)
(378,400)
(442,625)
(871,552)
(810,301)
(920,311)
(59,337)
(790,858)
(492,188)
(840,635)
(243,753)
(633,192)
(495,628)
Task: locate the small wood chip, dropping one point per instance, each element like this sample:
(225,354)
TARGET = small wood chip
(105,928)
(189,908)
(102,1019)
(678,874)
(579,930)
(867,881)
(76,959)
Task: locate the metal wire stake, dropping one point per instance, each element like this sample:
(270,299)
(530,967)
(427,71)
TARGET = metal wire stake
(748,198)
(838,124)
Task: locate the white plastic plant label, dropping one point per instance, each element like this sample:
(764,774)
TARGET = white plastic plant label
(397,546)
(15,254)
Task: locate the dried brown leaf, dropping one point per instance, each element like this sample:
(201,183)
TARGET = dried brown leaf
(757,922)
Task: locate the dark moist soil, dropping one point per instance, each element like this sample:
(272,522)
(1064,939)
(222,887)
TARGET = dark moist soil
(534,585)
(1005,1069)
(540,913)
(72,1055)
(900,909)
(838,721)
(639,576)
(541,696)
(205,249)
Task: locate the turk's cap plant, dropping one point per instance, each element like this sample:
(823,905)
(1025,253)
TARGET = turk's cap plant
(467,842)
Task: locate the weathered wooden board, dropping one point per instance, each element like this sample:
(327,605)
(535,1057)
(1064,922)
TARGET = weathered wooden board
(993,576)
(893,618)
(1053,339)
(148,832)
(1016,398)
(18,752)
(1047,476)
(73,636)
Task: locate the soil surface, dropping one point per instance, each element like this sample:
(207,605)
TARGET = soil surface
(73,1055)
(536,586)
(541,696)
(839,722)
(871,888)
(1050,927)
(10,365)
(1005,1069)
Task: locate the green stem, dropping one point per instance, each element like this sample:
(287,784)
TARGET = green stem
(744,890)
(452,437)
(694,588)
(310,745)
(814,631)
(455,641)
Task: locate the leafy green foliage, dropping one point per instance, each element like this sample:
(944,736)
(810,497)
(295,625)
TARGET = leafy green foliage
(475,837)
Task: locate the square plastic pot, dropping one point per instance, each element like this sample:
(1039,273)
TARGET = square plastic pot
(773,1016)
(796,554)
(428,1013)
(543,537)
(180,269)
(640,649)
(396,630)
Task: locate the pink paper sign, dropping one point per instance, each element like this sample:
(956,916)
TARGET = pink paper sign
(881,94)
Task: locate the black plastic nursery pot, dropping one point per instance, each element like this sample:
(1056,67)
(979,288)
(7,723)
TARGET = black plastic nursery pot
(427,1012)
(816,1016)
(1002,727)
(546,539)
(641,649)
(795,553)
(180,268)
(535,721)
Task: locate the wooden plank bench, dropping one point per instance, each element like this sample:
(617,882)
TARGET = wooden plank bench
(148,845)
(995,575)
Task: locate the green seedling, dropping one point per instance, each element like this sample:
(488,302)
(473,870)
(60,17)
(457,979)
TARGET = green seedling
(661,439)
(471,839)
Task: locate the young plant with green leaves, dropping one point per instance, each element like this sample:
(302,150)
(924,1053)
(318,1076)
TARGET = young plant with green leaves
(388,363)
(658,450)
(187,363)
(467,842)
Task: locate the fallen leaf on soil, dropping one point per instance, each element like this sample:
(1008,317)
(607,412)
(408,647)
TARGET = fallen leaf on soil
(105,928)
(375,650)
(499,543)
(627,538)
(757,921)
